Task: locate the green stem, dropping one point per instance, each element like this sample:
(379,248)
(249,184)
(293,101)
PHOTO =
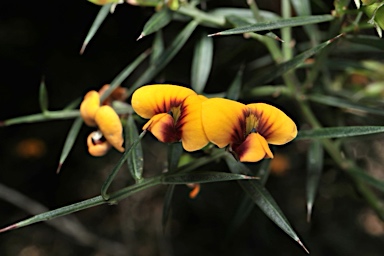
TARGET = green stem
(46,116)
(201,16)
(286,32)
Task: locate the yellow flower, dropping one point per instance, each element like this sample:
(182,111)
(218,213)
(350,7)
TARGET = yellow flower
(174,113)
(106,119)
(247,129)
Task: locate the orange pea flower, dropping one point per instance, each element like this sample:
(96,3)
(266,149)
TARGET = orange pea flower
(105,118)
(174,113)
(247,129)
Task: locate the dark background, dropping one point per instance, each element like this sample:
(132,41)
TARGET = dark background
(44,39)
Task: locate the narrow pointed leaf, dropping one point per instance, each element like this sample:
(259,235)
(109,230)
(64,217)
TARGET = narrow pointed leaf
(366,40)
(85,204)
(246,204)
(103,13)
(202,177)
(234,89)
(70,140)
(135,160)
(175,150)
(263,199)
(276,24)
(43,97)
(166,56)
(157,21)
(128,151)
(314,170)
(124,74)
(339,132)
(293,63)
(157,47)
(201,63)
(341,103)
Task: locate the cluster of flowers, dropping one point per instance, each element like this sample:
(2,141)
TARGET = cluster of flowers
(177,113)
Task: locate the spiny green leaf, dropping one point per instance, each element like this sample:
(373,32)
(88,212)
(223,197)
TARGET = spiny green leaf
(103,13)
(201,63)
(156,22)
(43,97)
(135,161)
(166,56)
(263,199)
(269,25)
(284,67)
(314,170)
(70,140)
(339,132)
(341,103)
(128,151)
(202,177)
(246,204)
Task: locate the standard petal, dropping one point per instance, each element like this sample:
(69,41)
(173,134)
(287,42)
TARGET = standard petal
(223,121)
(253,149)
(89,106)
(274,125)
(110,125)
(150,100)
(163,128)
(192,133)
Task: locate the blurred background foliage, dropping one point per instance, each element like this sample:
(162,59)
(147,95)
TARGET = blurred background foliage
(340,83)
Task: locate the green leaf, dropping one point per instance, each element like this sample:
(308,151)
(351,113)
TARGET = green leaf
(175,150)
(341,103)
(366,40)
(201,63)
(69,141)
(157,47)
(135,160)
(103,13)
(234,89)
(128,151)
(165,57)
(43,97)
(263,199)
(156,22)
(271,73)
(246,204)
(202,177)
(245,13)
(124,74)
(339,132)
(314,170)
(269,25)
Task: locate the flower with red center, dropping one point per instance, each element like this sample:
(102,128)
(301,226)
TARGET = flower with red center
(247,129)
(174,113)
